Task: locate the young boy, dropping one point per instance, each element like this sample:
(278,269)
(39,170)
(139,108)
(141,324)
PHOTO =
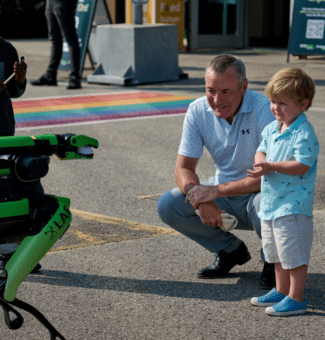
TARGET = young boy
(287,160)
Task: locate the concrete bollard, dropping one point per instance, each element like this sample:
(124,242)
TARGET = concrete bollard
(136,54)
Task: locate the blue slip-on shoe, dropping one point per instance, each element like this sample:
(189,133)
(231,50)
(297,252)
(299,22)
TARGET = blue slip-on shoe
(287,307)
(269,299)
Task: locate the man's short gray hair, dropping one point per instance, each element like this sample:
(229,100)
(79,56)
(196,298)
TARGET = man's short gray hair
(222,62)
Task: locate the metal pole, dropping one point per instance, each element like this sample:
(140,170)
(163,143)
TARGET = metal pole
(137,16)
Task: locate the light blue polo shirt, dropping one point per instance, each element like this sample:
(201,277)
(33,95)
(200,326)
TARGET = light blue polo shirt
(289,194)
(232,147)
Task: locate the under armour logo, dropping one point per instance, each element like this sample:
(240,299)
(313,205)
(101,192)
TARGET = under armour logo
(243,131)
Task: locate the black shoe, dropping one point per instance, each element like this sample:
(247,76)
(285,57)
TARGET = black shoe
(268,276)
(4,259)
(45,80)
(3,262)
(36,269)
(74,83)
(225,262)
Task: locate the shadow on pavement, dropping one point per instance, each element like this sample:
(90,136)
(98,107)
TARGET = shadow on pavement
(243,289)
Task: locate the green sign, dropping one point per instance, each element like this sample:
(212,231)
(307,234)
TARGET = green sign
(308,25)
(84,18)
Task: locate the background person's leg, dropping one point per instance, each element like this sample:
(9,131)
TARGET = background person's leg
(55,37)
(64,13)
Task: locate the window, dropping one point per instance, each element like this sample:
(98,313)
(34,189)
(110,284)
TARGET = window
(217,17)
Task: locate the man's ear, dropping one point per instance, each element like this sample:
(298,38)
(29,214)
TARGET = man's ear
(245,84)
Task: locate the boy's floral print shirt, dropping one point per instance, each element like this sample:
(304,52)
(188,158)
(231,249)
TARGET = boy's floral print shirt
(289,194)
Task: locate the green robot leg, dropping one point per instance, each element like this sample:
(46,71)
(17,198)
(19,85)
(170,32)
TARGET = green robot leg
(51,220)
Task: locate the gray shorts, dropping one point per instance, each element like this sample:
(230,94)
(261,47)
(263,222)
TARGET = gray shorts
(288,240)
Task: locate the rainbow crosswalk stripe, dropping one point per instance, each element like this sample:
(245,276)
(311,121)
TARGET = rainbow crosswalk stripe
(96,107)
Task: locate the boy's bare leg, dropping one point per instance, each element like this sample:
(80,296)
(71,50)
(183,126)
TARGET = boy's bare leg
(297,283)
(282,279)
(291,281)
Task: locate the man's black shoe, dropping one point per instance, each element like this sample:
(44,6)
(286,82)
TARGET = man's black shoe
(225,262)
(74,83)
(4,258)
(268,276)
(45,80)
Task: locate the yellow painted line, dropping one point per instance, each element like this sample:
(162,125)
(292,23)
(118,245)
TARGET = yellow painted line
(148,196)
(321,172)
(114,220)
(87,239)
(80,245)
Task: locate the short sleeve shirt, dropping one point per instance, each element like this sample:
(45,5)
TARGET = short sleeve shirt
(232,147)
(284,194)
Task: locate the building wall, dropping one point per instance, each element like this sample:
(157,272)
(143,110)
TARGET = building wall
(269,22)
(256,10)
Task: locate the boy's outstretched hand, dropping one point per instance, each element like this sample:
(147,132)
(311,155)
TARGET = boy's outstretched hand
(260,169)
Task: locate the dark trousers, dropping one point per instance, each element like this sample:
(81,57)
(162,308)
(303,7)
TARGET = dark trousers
(60,15)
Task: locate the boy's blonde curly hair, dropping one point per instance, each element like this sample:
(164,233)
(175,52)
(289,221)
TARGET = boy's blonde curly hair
(291,82)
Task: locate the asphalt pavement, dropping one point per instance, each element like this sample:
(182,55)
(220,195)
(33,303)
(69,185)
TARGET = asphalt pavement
(120,273)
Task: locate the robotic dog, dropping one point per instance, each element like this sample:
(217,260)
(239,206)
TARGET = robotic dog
(27,215)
